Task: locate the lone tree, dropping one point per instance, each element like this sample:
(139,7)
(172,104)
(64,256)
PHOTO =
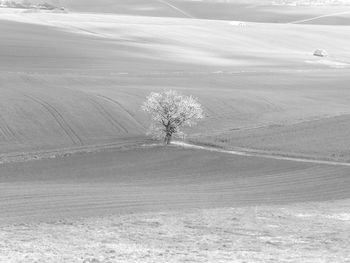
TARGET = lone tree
(170,111)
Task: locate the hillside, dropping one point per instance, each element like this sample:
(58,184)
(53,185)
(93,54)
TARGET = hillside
(88,89)
(268,11)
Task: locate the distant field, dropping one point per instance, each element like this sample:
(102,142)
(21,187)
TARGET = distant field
(262,11)
(245,10)
(117,44)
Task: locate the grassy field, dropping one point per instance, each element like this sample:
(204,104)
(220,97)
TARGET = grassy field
(298,233)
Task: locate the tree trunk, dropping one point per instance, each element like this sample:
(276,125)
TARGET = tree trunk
(167,139)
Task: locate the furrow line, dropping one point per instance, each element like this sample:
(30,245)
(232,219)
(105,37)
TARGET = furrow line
(109,116)
(132,116)
(60,120)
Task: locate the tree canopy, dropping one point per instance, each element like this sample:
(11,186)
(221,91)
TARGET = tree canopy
(170,111)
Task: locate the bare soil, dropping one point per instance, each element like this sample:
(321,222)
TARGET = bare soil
(157,179)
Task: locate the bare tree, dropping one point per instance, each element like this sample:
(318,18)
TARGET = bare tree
(170,111)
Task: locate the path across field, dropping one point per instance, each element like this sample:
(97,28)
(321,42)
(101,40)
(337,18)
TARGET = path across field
(261,155)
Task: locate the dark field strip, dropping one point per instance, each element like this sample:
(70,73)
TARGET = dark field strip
(158,179)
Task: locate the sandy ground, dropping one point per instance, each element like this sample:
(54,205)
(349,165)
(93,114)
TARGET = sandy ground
(298,233)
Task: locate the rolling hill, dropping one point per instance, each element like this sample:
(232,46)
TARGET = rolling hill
(72,136)
(71,80)
(268,11)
